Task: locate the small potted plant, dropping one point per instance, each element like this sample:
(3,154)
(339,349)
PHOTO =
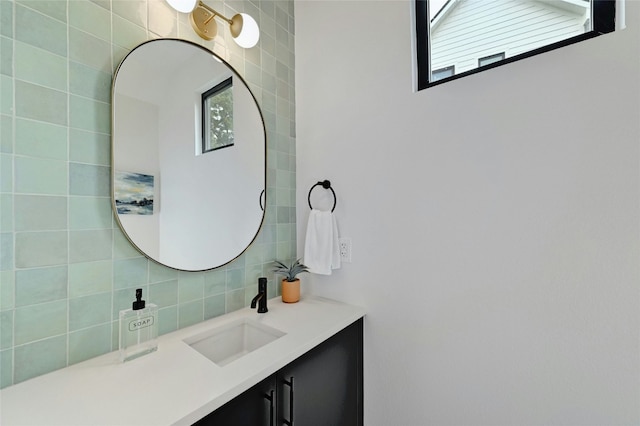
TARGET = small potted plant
(290,282)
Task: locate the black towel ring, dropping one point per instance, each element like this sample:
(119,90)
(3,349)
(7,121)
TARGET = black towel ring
(326,185)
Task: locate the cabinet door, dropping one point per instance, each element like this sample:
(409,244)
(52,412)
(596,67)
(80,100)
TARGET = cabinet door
(256,406)
(324,386)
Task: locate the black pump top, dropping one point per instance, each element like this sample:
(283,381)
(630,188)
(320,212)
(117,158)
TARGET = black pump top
(138,303)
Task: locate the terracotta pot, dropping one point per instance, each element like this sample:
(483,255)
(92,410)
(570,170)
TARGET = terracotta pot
(290,291)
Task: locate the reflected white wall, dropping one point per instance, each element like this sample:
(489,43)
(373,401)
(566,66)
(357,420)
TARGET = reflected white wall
(141,156)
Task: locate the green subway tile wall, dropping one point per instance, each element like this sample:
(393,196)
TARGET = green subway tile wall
(65,267)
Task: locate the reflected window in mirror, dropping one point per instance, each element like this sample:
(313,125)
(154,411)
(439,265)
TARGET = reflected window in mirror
(217,116)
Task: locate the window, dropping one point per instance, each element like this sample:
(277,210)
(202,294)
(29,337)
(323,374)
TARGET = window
(464,35)
(441,73)
(217,116)
(490,59)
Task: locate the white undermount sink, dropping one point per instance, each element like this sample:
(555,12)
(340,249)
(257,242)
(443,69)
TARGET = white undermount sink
(228,342)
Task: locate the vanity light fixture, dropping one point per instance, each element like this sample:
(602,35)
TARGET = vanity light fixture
(244,29)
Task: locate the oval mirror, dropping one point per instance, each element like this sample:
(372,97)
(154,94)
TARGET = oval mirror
(189,156)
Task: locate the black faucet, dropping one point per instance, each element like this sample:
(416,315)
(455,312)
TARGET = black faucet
(261,297)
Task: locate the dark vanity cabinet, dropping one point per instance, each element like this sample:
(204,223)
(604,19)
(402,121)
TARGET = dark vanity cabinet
(256,406)
(322,387)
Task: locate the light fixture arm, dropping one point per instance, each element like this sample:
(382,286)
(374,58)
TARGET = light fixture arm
(203,23)
(214,12)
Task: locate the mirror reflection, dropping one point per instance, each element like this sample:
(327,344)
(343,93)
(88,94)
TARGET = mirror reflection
(180,198)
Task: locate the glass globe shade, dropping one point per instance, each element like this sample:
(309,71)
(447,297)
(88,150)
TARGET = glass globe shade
(184,6)
(249,34)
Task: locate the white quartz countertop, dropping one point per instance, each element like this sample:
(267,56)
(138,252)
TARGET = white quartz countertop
(176,384)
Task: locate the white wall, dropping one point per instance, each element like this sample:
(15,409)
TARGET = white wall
(494,220)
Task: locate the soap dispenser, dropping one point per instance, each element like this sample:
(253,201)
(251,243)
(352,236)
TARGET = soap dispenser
(138,329)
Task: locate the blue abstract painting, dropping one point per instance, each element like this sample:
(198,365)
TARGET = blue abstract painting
(133,193)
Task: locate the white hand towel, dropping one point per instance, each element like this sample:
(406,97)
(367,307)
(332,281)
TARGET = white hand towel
(321,246)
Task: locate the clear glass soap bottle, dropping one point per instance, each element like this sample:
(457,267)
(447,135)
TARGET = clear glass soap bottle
(138,329)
